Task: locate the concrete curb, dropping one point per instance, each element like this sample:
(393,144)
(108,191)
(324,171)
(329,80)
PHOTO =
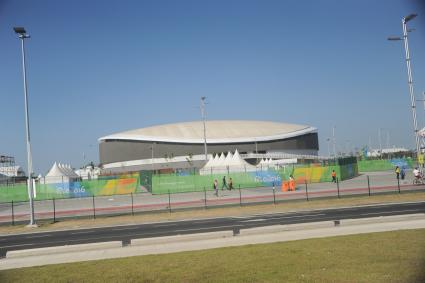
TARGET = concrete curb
(63,249)
(181,238)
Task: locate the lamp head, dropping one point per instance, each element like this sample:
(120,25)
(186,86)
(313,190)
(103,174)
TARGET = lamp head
(21,32)
(409,17)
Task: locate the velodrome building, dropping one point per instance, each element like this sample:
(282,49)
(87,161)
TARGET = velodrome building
(181,145)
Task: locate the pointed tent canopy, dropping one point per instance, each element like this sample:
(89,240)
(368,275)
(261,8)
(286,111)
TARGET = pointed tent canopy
(60,173)
(221,160)
(228,158)
(230,163)
(210,161)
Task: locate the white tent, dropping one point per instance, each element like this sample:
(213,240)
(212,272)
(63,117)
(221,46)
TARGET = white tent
(60,174)
(228,164)
(221,161)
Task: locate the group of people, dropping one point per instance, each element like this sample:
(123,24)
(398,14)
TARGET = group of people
(289,185)
(228,186)
(401,174)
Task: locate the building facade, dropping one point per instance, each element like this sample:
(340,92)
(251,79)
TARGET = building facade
(181,145)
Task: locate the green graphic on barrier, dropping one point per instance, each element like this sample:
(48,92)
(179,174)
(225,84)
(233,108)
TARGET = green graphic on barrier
(124,184)
(176,183)
(384,164)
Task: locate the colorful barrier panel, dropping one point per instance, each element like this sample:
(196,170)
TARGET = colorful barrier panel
(385,164)
(177,183)
(124,185)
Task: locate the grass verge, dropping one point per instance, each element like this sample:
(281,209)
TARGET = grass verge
(397,256)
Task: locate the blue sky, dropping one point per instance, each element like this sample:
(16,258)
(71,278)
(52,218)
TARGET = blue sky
(100,67)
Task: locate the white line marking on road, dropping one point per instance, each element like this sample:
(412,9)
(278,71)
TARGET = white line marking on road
(164,225)
(207,228)
(394,211)
(82,232)
(125,228)
(38,236)
(285,217)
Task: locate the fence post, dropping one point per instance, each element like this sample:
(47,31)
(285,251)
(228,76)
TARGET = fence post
(13,215)
(132,207)
(54,211)
(94,208)
(368,184)
(306,190)
(169,201)
(205,195)
(337,185)
(398,185)
(240,196)
(274,194)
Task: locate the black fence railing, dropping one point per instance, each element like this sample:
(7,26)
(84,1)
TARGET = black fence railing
(135,203)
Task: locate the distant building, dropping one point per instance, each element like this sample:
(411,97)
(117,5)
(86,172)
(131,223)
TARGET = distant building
(88,172)
(377,152)
(181,145)
(12,171)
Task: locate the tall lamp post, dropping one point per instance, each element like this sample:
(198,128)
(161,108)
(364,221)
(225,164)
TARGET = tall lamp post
(22,34)
(205,129)
(404,22)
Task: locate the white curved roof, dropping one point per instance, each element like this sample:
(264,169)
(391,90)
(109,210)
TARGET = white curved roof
(224,131)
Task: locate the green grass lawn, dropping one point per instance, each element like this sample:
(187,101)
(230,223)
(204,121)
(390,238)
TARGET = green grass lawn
(397,256)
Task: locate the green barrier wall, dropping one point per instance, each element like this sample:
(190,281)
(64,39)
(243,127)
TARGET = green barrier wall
(173,183)
(384,164)
(113,186)
(164,183)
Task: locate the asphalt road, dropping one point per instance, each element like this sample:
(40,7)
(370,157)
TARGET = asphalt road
(128,232)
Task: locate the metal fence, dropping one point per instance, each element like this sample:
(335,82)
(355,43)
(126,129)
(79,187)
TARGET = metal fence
(53,209)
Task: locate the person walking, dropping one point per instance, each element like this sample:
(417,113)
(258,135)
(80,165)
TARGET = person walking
(333,174)
(291,183)
(224,185)
(230,183)
(402,173)
(215,186)
(397,172)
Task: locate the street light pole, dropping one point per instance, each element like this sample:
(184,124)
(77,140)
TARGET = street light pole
(205,129)
(329,150)
(404,22)
(334,141)
(410,80)
(23,35)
